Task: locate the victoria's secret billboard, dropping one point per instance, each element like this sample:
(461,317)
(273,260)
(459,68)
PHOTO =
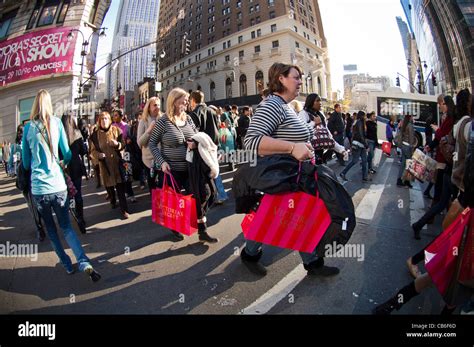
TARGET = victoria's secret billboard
(36,54)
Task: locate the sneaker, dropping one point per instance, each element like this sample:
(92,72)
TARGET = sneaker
(94,275)
(372,171)
(125,215)
(177,236)
(400,183)
(205,237)
(71,271)
(344,178)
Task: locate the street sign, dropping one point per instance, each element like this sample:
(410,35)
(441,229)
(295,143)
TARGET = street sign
(81,100)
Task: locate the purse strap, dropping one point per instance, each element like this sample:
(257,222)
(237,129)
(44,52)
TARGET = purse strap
(315,177)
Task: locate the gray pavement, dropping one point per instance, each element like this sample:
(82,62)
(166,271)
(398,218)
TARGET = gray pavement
(144,271)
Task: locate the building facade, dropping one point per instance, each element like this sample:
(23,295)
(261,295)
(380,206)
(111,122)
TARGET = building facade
(444,32)
(136,25)
(226,47)
(351,80)
(42,47)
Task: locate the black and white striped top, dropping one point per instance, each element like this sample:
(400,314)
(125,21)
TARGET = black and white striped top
(276,119)
(172,140)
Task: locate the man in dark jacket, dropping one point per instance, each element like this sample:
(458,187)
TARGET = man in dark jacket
(336,127)
(243,125)
(204,117)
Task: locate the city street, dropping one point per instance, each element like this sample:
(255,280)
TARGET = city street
(144,271)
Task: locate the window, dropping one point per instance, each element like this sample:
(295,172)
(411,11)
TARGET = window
(257,19)
(34,15)
(271,3)
(275,44)
(259,32)
(243,85)
(241,39)
(272,14)
(228,88)
(6,22)
(259,83)
(239,4)
(63,12)
(25,106)
(252,34)
(241,54)
(93,14)
(273,28)
(48,13)
(257,8)
(227,58)
(257,49)
(297,44)
(212,88)
(251,9)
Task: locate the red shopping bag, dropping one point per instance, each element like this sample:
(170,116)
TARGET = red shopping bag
(466,274)
(441,255)
(387,148)
(174,210)
(294,220)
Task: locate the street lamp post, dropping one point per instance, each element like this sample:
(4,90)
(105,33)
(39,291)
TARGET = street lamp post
(419,70)
(157,67)
(85,44)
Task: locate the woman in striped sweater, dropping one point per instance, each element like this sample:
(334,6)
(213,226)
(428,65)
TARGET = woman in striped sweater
(277,129)
(173,133)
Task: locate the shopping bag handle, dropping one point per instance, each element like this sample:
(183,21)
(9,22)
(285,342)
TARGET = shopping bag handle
(174,184)
(315,178)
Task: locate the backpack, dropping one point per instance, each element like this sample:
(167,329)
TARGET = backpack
(23,178)
(447,146)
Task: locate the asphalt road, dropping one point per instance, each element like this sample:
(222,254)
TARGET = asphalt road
(144,271)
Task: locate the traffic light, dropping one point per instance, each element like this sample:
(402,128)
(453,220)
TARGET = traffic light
(433,80)
(398,81)
(188,47)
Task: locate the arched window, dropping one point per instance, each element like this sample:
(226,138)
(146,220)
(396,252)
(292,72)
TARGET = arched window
(320,88)
(243,85)
(259,84)
(228,88)
(212,90)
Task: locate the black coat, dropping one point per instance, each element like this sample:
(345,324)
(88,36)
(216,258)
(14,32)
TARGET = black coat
(200,184)
(336,123)
(205,120)
(76,167)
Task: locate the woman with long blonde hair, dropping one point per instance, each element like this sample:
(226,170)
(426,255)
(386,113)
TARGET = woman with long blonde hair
(151,113)
(42,137)
(173,133)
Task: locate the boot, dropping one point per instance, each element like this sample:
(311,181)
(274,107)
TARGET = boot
(252,262)
(400,183)
(401,298)
(80,217)
(203,235)
(317,268)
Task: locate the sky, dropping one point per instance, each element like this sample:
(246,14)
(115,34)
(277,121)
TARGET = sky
(362,32)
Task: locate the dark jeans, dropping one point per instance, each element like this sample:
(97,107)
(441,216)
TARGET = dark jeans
(59,202)
(441,204)
(129,189)
(77,181)
(151,180)
(356,154)
(370,155)
(120,187)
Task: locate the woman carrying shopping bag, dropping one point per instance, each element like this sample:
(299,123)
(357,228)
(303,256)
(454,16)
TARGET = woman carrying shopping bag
(44,134)
(169,143)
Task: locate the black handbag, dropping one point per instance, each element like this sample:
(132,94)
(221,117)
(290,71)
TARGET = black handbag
(23,178)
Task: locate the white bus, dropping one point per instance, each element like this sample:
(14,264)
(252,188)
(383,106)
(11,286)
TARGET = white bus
(395,104)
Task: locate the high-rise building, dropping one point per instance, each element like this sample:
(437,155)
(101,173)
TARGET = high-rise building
(405,34)
(444,32)
(136,25)
(48,45)
(225,47)
(351,80)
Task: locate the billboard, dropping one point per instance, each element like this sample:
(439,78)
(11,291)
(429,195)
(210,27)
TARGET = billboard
(35,54)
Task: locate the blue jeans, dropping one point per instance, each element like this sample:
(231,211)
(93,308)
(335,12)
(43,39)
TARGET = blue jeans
(370,155)
(356,154)
(59,202)
(407,152)
(221,193)
(252,248)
